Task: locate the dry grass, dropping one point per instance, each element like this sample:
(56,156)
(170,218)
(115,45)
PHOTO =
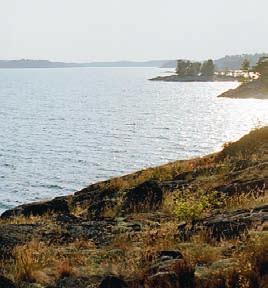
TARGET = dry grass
(247,271)
(65,268)
(135,253)
(26,220)
(248,147)
(250,270)
(243,201)
(29,261)
(165,172)
(37,262)
(138,250)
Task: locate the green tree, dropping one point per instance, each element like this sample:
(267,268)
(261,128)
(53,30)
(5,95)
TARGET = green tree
(182,66)
(208,68)
(188,68)
(245,65)
(193,69)
(262,67)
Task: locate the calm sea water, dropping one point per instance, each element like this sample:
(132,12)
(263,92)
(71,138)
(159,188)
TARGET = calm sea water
(61,129)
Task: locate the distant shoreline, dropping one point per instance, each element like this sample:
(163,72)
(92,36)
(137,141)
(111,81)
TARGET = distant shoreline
(23,63)
(230,62)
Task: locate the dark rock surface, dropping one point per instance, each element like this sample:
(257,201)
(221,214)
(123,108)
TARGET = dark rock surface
(6,283)
(254,186)
(12,235)
(113,282)
(58,205)
(147,196)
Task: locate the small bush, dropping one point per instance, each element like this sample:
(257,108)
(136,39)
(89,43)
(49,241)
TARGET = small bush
(192,206)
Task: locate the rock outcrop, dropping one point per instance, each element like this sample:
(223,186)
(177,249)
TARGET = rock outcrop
(228,225)
(58,205)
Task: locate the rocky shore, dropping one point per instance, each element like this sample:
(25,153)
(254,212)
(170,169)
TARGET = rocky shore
(255,89)
(200,223)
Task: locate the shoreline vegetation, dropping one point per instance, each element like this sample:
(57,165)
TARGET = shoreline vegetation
(199,223)
(188,71)
(254,81)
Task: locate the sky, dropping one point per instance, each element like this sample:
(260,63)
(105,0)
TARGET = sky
(111,30)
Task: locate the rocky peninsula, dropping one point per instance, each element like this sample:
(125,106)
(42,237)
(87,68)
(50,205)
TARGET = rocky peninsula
(188,224)
(188,71)
(257,88)
(197,78)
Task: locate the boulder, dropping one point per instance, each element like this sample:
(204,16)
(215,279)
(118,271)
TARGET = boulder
(145,197)
(222,228)
(58,205)
(99,208)
(169,255)
(113,282)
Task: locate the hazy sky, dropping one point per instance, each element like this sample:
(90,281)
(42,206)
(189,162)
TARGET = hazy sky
(88,30)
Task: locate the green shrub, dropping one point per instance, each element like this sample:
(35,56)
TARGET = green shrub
(193,205)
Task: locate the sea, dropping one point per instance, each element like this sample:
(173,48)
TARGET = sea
(63,129)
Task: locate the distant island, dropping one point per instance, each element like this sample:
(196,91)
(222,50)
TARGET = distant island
(27,63)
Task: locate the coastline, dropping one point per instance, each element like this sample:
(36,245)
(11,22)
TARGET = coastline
(157,212)
(177,78)
(257,89)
